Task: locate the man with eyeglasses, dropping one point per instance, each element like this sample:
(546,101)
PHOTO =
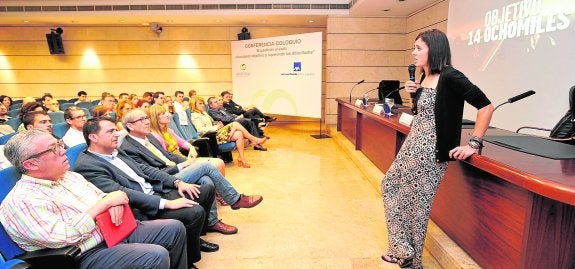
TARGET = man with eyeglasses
(144,148)
(52,207)
(76,118)
(154,193)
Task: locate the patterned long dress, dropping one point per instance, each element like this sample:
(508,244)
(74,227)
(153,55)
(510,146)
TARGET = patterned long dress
(411,182)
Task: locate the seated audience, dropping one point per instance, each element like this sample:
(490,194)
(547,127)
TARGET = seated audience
(180,108)
(39,214)
(108,101)
(144,148)
(47,101)
(28,107)
(152,192)
(218,113)
(169,105)
(3,113)
(147,97)
(145,105)
(134,99)
(124,106)
(82,97)
(159,98)
(100,111)
(224,133)
(192,94)
(250,112)
(123,96)
(54,106)
(76,118)
(38,120)
(170,141)
(6,100)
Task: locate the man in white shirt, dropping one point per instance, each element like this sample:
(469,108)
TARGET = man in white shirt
(76,118)
(179,107)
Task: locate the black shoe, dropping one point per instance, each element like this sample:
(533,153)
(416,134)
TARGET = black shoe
(260,147)
(206,246)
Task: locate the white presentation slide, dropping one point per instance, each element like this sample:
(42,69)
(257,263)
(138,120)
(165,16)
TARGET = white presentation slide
(279,75)
(509,47)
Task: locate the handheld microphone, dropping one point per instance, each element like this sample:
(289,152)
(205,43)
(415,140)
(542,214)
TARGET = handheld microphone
(414,95)
(411,70)
(359,82)
(516,98)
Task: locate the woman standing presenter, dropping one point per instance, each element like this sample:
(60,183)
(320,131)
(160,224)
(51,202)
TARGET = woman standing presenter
(411,183)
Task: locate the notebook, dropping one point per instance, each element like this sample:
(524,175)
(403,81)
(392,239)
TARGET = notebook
(115,234)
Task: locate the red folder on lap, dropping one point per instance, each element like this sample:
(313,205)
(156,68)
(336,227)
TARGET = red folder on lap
(115,234)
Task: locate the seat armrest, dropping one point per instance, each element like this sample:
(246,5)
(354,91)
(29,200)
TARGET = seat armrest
(52,258)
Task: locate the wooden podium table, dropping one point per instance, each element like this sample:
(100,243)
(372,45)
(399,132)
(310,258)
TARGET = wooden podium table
(505,208)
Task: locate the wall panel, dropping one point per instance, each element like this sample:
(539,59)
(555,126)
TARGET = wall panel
(124,59)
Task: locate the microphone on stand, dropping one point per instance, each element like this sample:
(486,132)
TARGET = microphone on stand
(366,97)
(359,82)
(516,98)
(396,90)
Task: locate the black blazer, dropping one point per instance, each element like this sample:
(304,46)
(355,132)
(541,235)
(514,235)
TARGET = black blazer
(143,155)
(109,178)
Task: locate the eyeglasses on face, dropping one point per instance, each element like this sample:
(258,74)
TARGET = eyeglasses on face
(141,119)
(55,148)
(79,117)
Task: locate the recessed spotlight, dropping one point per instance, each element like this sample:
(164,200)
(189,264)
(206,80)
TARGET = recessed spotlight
(26,21)
(146,24)
(217,20)
(122,21)
(311,21)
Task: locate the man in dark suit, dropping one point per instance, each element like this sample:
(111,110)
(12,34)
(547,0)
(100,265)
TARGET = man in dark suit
(250,113)
(153,193)
(144,148)
(219,113)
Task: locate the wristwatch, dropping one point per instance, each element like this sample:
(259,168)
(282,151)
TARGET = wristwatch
(475,142)
(176,183)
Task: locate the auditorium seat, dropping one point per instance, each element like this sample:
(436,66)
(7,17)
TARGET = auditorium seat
(73,153)
(14,123)
(65,105)
(4,139)
(59,129)
(57,117)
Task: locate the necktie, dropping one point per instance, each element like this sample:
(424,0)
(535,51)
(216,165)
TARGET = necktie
(159,154)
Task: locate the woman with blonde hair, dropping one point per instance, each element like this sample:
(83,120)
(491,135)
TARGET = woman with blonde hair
(171,142)
(122,108)
(224,133)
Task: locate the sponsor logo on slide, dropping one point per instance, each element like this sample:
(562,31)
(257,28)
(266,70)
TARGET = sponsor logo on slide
(297,66)
(243,67)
